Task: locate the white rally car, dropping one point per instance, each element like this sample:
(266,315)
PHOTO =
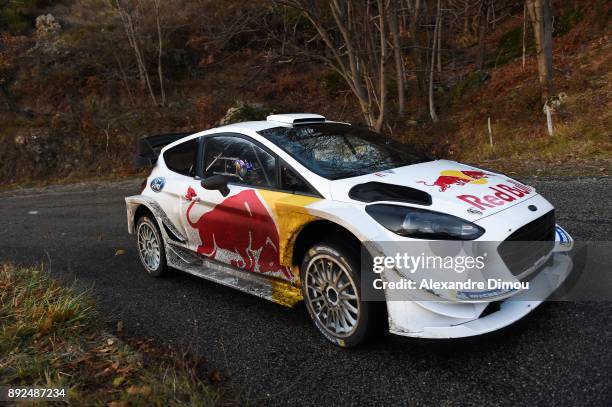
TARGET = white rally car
(280,209)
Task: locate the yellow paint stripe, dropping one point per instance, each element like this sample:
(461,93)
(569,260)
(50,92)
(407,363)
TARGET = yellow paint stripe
(290,213)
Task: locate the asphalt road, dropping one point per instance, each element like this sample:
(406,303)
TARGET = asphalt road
(560,354)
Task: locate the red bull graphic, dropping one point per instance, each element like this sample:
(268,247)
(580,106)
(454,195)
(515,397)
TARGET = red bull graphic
(251,245)
(448,178)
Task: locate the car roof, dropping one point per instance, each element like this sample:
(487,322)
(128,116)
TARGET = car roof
(267,124)
(253,126)
(243,128)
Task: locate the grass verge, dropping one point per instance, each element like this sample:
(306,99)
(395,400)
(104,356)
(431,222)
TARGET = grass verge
(51,336)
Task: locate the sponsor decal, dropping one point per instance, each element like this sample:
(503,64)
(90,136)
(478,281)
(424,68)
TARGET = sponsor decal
(384,173)
(501,194)
(251,245)
(483,295)
(448,178)
(474,211)
(191,193)
(158,184)
(564,239)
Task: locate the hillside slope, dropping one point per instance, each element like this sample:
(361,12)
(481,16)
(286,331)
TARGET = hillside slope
(71,108)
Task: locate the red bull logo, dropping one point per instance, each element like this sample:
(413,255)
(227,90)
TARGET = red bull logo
(448,178)
(252,245)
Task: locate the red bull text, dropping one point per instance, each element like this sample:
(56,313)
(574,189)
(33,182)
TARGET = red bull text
(502,194)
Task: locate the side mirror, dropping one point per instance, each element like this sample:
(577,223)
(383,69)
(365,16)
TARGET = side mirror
(218,182)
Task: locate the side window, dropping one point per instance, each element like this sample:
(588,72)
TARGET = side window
(182,158)
(243,161)
(290,181)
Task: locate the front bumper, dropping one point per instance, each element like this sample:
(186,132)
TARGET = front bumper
(439,320)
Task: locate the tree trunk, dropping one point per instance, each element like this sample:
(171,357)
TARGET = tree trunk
(397,53)
(355,71)
(483,23)
(434,43)
(524,34)
(439,53)
(466,9)
(417,60)
(541,20)
(160,72)
(383,64)
(133,40)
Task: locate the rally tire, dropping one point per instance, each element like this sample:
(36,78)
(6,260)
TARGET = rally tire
(333,296)
(150,247)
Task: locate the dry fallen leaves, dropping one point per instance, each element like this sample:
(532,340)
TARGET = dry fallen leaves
(143,391)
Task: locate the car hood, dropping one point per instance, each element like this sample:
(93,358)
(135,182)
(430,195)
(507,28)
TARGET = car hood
(457,189)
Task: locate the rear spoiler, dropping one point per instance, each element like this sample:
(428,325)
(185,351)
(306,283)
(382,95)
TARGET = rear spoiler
(149,147)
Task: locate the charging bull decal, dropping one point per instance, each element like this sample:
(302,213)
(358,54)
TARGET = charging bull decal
(452,177)
(250,245)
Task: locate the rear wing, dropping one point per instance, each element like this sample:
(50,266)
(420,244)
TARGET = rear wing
(149,147)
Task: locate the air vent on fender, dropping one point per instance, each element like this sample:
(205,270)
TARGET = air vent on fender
(380,191)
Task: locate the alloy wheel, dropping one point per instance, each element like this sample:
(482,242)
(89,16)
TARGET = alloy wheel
(332,295)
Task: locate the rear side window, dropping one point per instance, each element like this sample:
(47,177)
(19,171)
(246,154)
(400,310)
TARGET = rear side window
(290,181)
(182,158)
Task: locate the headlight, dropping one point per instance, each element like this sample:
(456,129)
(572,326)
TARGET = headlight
(423,224)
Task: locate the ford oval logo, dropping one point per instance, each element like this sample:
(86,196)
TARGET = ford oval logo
(158,184)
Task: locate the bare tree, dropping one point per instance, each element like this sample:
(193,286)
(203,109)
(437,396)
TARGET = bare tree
(414,8)
(483,27)
(466,14)
(356,40)
(434,49)
(392,14)
(439,45)
(541,20)
(129,19)
(139,25)
(382,102)
(524,34)
(160,41)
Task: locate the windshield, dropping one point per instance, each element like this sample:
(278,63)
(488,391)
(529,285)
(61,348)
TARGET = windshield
(337,151)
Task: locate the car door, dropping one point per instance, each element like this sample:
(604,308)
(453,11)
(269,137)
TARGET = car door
(237,229)
(169,189)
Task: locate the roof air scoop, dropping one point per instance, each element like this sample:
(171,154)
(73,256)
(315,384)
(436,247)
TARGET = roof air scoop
(296,118)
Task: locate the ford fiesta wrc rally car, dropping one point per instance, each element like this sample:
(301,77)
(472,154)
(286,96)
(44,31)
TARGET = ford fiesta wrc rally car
(285,209)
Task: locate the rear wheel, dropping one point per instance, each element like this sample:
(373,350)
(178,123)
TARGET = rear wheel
(150,246)
(331,286)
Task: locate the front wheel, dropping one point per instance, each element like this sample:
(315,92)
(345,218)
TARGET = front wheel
(150,246)
(331,286)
